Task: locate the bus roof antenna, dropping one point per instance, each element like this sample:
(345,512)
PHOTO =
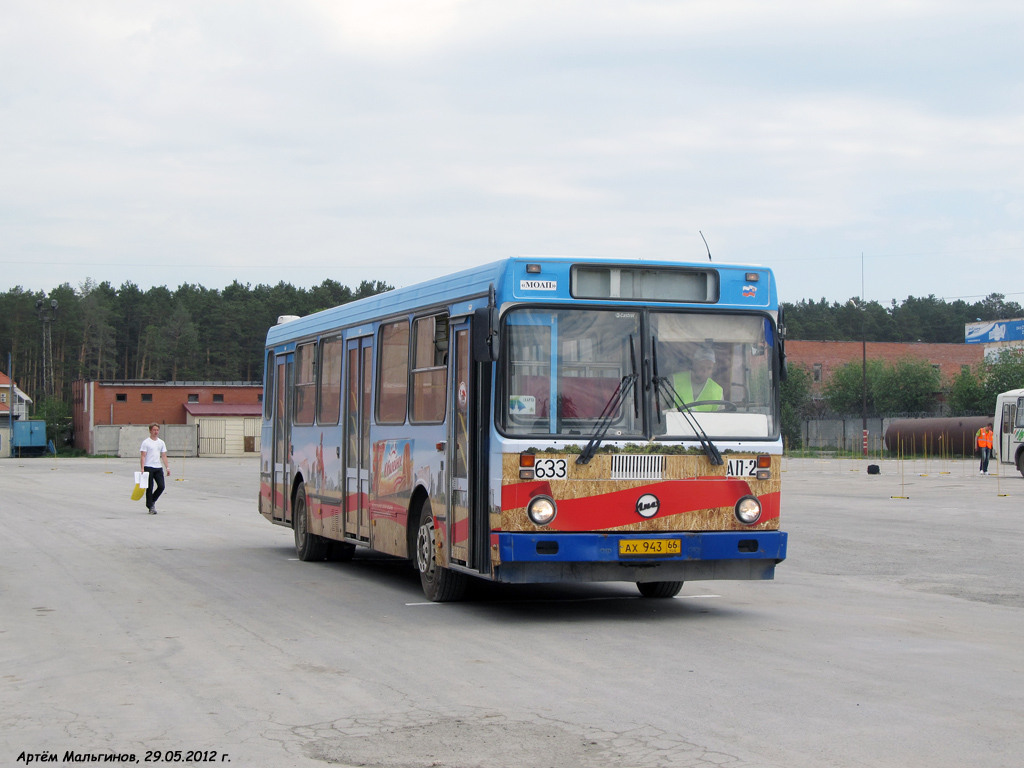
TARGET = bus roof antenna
(705,243)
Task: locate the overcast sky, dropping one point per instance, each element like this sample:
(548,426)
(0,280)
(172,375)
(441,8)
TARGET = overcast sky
(397,140)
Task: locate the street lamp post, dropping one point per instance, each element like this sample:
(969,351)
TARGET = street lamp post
(864,367)
(859,304)
(10,406)
(864,382)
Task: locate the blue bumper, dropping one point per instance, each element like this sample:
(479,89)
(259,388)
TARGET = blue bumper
(739,555)
(604,547)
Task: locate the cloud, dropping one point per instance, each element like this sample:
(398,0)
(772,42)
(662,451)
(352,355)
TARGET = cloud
(391,28)
(313,139)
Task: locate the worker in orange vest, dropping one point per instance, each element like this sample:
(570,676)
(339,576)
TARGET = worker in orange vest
(983,442)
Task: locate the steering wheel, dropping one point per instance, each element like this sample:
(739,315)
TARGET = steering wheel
(727,405)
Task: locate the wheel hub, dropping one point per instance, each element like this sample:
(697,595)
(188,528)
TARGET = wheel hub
(425,547)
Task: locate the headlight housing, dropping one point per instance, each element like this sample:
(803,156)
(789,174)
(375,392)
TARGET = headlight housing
(748,510)
(541,510)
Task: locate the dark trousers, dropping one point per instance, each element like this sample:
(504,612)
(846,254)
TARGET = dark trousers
(156,478)
(986,453)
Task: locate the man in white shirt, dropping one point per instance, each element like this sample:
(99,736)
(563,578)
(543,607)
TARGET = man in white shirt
(153,453)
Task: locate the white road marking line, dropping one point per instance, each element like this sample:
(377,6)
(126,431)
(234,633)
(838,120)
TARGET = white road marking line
(692,597)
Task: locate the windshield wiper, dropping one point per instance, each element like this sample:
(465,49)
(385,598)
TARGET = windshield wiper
(611,408)
(664,387)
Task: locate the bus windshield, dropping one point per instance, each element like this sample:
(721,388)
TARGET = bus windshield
(574,359)
(562,368)
(719,366)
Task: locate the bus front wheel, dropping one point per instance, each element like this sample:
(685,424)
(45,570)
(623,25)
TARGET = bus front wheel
(1020,462)
(440,585)
(307,546)
(659,588)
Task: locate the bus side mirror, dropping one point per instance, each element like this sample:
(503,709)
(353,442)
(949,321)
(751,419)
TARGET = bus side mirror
(783,366)
(485,334)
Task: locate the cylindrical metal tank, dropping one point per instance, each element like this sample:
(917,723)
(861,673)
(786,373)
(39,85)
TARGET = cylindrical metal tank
(939,437)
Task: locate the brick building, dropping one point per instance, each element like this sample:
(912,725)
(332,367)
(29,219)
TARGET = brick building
(821,358)
(101,403)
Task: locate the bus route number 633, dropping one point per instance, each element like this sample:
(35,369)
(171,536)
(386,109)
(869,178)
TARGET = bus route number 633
(550,469)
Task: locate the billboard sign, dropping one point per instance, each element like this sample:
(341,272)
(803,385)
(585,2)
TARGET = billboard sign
(994,331)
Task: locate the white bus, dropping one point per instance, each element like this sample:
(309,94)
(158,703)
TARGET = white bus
(1008,429)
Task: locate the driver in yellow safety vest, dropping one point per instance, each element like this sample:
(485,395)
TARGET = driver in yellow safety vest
(698,380)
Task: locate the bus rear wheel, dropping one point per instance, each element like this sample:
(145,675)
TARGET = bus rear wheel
(1020,462)
(307,546)
(660,589)
(440,585)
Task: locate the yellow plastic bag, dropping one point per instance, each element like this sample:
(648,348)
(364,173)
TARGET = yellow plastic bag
(141,484)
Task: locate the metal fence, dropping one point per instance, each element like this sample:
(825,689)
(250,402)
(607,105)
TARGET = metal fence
(842,434)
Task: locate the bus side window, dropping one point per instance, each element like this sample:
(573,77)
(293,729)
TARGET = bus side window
(329,381)
(305,384)
(392,376)
(268,395)
(441,340)
(430,371)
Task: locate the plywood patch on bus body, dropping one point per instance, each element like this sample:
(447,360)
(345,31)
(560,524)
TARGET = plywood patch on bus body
(325,509)
(266,500)
(692,495)
(388,516)
(389,537)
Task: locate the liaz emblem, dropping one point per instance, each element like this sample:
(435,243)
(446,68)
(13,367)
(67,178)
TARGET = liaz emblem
(647,505)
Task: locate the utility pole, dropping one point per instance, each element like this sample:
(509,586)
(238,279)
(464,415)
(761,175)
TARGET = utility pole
(864,351)
(10,407)
(47,314)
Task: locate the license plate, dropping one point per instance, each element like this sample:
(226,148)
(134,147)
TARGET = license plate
(649,547)
(741,468)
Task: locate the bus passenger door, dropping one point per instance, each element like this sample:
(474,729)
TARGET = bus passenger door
(1006,433)
(460,437)
(282,450)
(358,396)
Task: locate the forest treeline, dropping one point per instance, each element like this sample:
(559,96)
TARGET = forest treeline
(927,319)
(189,333)
(192,333)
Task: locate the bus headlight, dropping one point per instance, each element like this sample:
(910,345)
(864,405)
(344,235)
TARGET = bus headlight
(748,510)
(541,510)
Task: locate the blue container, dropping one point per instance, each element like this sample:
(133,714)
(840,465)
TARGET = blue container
(29,434)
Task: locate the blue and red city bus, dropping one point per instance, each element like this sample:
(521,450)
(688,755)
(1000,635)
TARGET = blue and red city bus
(536,420)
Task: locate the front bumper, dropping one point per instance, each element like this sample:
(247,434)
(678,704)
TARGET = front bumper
(534,557)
